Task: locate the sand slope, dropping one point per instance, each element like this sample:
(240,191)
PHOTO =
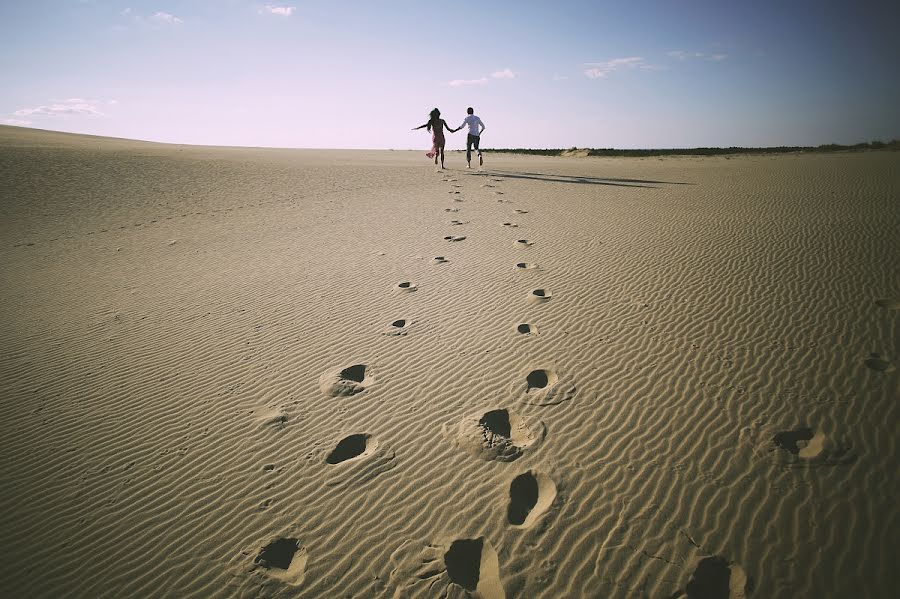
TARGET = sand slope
(242,372)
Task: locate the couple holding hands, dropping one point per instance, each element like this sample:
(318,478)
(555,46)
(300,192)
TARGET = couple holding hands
(436,125)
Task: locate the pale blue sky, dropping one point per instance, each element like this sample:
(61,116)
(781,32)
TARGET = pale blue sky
(360,74)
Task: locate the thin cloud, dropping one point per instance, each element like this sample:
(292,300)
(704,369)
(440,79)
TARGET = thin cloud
(683,55)
(467,82)
(16,122)
(284,11)
(504,74)
(70,107)
(599,70)
(560,77)
(164,17)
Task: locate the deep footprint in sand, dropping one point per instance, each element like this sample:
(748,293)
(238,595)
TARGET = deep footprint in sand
(351,448)
(803,442)
(539,295)
(526,329)
(461,567)
(454,237)
(346,381)
(523,243)
(876,362)
(716,578)
(518,211)
(526,265)
(473,565)
(530,495)
(406,286)
(398,327)
(498,434)
(512,225)
(439,260)
(451,209)
(800,447)
(543,387)
(282,558)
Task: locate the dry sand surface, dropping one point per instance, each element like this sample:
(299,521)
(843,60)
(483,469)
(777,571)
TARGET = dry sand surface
(250,372)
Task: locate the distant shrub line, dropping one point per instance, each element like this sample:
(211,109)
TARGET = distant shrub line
(872,145)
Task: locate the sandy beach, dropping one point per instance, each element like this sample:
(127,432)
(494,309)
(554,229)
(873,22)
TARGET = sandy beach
(243,372)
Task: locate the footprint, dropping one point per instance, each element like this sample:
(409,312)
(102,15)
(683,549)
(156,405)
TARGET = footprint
(455,237)
(888,303)
(284,559)
(457,186)
(451,209)
(461,567)
(526,265)
(499,193)
(453,192)
(351,448)
(355,459)
(439,260)
(523,243)
(526,329)
(406,286)
(801,442)
(543,387)
(530,495)
(801,447)
(876,362)
(488,185)
(496,180)
(513,225)
(458,222)
(398,327)
(518,211)
(716,578)
(540,295)
(274,420)
(473,565)
(346,381)
(498,435)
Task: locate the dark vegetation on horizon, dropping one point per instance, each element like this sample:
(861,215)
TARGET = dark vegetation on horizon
(872,145)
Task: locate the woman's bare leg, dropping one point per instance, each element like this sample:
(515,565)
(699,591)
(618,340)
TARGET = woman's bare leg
(442,157)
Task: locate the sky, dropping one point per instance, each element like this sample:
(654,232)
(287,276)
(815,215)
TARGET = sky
(540,74)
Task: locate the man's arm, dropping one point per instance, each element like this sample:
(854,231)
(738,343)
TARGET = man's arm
(480,122)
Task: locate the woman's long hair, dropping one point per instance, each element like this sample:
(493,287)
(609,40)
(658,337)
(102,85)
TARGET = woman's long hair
(433,117)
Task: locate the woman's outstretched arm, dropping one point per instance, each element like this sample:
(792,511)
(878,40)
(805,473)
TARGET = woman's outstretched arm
(420,127)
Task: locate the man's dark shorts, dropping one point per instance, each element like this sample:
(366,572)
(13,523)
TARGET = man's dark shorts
(471,140)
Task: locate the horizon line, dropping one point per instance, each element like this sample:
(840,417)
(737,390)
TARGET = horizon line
(892,144)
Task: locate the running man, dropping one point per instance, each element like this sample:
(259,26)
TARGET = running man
(474,136)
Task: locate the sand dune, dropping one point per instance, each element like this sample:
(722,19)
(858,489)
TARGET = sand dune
(240,372)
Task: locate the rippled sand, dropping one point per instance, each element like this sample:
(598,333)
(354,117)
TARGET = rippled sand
(292,373)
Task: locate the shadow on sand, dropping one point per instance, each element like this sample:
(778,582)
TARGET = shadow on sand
(581,180)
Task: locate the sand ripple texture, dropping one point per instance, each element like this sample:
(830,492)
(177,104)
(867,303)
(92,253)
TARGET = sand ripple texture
(212,385)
